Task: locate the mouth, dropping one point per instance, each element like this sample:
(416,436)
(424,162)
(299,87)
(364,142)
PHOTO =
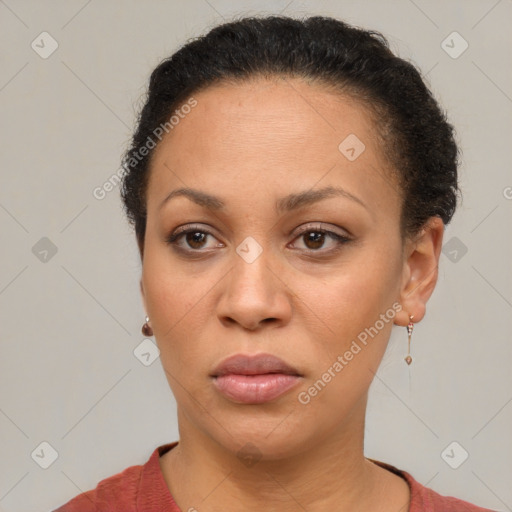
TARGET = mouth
(254,379)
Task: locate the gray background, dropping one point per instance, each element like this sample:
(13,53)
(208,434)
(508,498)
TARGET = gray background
(69,322)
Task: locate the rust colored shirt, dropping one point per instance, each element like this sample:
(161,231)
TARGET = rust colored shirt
(142,488)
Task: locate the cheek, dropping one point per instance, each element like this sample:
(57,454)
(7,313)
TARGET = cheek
(354,296)
(356,316)
(355,312)
(170,293)
(178,306)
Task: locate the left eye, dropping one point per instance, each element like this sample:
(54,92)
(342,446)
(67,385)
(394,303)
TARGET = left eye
(315,239)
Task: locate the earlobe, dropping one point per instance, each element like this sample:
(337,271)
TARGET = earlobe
(420,272)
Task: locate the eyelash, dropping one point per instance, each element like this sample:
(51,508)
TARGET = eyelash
(340,240)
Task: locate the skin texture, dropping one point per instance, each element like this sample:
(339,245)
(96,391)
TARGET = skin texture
(251,144)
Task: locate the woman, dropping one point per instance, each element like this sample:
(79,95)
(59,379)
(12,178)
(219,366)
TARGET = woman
(289,182)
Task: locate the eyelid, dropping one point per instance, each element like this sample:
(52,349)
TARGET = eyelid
(321,226)
(191,227)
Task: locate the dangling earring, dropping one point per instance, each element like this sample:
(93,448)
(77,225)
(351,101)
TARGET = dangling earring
(146,329)
(410,327)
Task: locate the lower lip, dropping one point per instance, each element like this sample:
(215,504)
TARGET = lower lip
(255,389)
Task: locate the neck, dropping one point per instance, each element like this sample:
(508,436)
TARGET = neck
(331,474)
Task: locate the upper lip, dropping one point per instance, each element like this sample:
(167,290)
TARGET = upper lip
(259,364)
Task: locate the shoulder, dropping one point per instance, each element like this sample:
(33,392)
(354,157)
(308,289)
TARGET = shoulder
(109,494)
(424,499)
(140,487)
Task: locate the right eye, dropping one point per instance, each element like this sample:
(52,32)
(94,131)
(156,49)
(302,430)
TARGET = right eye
(190,239)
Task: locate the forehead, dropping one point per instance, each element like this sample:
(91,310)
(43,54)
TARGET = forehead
(270,134)
(276,113)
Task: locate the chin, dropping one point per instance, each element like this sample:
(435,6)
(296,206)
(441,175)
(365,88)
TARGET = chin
(262,435)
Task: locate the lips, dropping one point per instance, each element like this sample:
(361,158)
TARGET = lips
(253,365)
(254,379)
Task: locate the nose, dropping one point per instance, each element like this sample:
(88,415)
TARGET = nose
(255,295)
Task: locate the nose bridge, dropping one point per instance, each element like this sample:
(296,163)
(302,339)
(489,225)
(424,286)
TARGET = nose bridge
(253,293)
(252,266)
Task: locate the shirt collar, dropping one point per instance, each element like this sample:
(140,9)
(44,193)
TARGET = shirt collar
(153,493)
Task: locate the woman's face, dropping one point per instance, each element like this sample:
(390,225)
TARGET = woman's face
(297,253)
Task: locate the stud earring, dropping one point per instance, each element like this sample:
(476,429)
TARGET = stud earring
(146,329)
(410,327)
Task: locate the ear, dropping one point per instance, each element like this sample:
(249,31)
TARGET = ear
(420,271)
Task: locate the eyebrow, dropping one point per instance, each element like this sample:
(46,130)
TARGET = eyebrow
(285,204)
